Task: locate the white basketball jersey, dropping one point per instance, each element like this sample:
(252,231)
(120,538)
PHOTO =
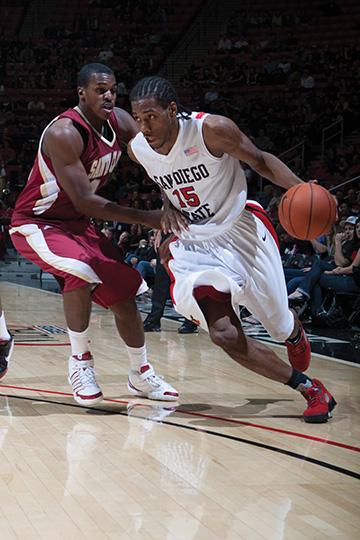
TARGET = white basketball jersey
(209,191)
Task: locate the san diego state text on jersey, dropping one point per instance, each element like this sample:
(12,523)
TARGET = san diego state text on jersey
(182,176)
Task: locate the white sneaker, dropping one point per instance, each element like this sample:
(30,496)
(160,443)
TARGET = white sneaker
(82,379)
(148,385)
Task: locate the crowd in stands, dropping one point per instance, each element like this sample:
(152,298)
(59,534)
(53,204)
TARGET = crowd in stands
(280,76)
(282,79)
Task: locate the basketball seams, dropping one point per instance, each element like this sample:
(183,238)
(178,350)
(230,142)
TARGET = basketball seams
(310,214)
(293,230)
(307,211)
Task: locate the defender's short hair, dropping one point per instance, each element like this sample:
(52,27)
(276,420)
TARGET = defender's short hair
(88,70)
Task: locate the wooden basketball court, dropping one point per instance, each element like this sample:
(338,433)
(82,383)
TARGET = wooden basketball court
(232,460)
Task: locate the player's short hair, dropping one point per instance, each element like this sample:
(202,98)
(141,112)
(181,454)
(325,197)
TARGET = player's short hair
(160,89)
(88,70)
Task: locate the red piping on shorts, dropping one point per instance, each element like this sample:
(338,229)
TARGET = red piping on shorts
(260,213)
(209,291)
(172,277)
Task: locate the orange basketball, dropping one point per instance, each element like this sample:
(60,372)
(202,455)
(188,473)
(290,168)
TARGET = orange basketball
(307,211)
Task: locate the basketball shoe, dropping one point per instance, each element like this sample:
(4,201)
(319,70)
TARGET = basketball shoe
(6,349)
(320,403)
(149,385)
(299,353)
(82,379)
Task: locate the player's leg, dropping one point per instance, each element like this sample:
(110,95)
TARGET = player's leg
(58,252)
(266,294)
(226,332)
(120,284)
(6,344)
(142,380)
(160,294)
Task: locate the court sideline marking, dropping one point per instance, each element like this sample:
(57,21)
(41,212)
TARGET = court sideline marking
(204,415)
(276,449)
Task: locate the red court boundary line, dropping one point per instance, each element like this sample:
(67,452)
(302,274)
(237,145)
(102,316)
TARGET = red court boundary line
(209,416)
(42,344)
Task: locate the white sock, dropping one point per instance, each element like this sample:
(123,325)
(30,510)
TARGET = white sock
(138,357)
(79,341)
(4,334)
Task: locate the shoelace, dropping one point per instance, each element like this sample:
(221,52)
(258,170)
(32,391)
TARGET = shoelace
(87,374)
(154,380)
(311,396)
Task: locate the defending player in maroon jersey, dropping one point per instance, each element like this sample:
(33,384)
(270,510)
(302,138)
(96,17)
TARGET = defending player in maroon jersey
(51,227)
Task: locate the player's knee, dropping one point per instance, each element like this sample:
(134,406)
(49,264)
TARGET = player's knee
(226,336)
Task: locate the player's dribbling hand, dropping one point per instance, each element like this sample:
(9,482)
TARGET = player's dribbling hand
(173,221)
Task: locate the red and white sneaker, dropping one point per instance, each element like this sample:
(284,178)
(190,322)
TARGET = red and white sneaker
(320,403)
(6,349)
(300,354)
(82,379)
(147,384)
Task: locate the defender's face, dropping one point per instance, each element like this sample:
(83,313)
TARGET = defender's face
(99,95)
(158,124)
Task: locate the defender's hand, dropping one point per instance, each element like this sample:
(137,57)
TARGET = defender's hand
(173,221)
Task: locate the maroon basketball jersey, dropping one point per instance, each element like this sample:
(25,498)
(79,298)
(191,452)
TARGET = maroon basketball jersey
(43,197)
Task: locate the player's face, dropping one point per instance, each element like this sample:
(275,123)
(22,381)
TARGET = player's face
(98,97)
(159,125)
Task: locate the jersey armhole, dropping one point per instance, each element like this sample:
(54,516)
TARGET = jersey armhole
(83,133)
(201,133)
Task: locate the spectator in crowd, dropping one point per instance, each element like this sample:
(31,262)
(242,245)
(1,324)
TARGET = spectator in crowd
(36,105)
(307,81)
(346,245)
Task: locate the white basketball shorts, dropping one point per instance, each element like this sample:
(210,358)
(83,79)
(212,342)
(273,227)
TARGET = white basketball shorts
(243,261)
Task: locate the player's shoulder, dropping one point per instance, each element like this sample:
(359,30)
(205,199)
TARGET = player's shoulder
(217,122)
(218,128)
(126,124)
(121,114)
(63,134)
(61,127)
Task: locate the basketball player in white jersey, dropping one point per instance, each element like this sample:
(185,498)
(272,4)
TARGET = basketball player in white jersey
(228,255)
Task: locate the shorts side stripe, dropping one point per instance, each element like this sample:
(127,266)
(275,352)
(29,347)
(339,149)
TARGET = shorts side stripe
(36,240)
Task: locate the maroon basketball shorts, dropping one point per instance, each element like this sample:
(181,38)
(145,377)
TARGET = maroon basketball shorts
(77,255)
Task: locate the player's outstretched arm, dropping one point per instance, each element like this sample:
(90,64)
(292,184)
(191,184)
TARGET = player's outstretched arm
(63,145)
(221,135)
